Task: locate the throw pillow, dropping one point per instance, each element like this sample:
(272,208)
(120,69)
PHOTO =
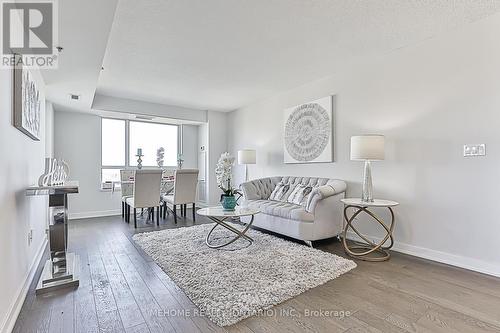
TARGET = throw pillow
(300,194)
(307,192)
(281,192)
(277,191)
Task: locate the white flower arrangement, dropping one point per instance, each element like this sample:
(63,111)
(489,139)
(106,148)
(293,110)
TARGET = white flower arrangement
(223,172)
(160,156)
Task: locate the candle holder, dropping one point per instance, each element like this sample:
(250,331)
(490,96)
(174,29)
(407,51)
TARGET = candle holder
(139,161)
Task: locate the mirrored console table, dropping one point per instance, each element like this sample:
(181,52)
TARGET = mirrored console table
(61,270)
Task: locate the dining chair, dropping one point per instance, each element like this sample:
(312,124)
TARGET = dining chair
(185,184)
(126,188)
(168,173)
(147,185)
(167,181)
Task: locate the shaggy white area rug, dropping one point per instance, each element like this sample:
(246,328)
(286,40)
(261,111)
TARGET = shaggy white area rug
(239,281)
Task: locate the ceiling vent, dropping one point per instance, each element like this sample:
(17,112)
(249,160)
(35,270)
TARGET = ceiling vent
(74,97)
(144,117)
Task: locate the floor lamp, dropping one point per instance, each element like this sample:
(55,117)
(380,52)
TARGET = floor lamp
(246,157)
(367,148)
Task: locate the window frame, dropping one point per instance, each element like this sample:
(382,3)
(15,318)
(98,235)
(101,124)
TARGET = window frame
(127,147)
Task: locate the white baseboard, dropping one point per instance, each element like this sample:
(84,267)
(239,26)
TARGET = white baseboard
(113,212)
(442,257)
(14,310)
(87,215)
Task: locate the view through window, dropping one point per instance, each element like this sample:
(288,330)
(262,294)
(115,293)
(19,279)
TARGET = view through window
(117,144)
(149,137)
(112,148)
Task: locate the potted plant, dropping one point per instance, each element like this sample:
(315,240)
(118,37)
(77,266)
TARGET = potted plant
(223,171)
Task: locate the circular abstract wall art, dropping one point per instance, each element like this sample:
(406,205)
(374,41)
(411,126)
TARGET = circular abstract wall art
(307,132)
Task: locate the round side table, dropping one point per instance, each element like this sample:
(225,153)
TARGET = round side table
(368,251)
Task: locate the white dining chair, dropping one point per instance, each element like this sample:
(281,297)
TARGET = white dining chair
(126,188)
(186,181)
(147,185)
(167,183)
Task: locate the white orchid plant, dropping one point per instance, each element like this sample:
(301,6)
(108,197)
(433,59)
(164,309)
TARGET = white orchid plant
(223,172)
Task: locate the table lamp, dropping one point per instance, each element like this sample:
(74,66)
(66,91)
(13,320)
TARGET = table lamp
(246,156)
(367,148)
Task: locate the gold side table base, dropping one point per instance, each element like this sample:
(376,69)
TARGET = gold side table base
(367,251)
(383,255)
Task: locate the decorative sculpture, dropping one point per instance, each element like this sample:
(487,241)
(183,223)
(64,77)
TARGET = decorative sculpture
(56,172)
(139,156)
(180,161)
(160,156)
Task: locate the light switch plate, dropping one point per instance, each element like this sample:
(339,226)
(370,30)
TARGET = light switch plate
(472,150)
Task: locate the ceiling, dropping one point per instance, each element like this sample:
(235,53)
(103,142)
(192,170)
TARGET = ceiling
(83,32)
(225,54)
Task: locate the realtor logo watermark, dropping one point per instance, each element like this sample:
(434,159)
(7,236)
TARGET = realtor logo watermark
(29,31)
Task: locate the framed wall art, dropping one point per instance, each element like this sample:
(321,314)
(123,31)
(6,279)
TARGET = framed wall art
(308,132)
(27,103)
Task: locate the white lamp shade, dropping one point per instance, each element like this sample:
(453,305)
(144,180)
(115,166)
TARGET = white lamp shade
(368,147)
(246,156)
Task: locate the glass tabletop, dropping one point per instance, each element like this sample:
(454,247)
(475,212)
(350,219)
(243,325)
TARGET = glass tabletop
(220,212)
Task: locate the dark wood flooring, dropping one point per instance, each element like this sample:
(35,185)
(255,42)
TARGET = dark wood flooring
(122,290)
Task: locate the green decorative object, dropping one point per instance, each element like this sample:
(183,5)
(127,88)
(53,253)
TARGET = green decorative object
(223,172)
(228,202)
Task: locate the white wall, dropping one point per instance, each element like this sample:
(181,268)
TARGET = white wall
(21,164)
(78,141)
(116,104)
(203,163)
(190,144)
(217,144)
(49,130)
(428,100)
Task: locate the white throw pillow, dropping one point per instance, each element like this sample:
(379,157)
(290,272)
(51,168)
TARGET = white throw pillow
(276,191)
(281,192)
(300,195)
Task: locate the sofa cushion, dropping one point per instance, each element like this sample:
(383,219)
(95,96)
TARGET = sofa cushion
(282,209)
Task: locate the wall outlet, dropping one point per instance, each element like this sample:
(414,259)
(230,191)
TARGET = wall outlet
(30,237)
(474,150)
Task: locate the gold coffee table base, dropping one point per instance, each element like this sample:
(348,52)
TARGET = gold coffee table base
(368,251)
(238,234)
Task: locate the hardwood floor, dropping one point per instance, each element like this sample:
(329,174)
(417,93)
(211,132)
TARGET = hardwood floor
(122,290)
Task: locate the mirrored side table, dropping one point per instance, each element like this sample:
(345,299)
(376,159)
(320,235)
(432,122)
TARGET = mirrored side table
(366,249)
(61,270)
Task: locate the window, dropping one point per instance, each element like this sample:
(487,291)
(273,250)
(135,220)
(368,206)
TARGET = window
(149,137)
(121,138)
(110,175)
(112,149)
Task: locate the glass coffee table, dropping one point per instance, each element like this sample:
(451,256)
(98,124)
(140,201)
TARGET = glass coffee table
(223,217)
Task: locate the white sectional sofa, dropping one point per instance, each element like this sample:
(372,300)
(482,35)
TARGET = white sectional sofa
(317,216)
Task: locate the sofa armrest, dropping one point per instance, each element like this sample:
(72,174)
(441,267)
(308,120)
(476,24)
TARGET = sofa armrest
(322,192)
